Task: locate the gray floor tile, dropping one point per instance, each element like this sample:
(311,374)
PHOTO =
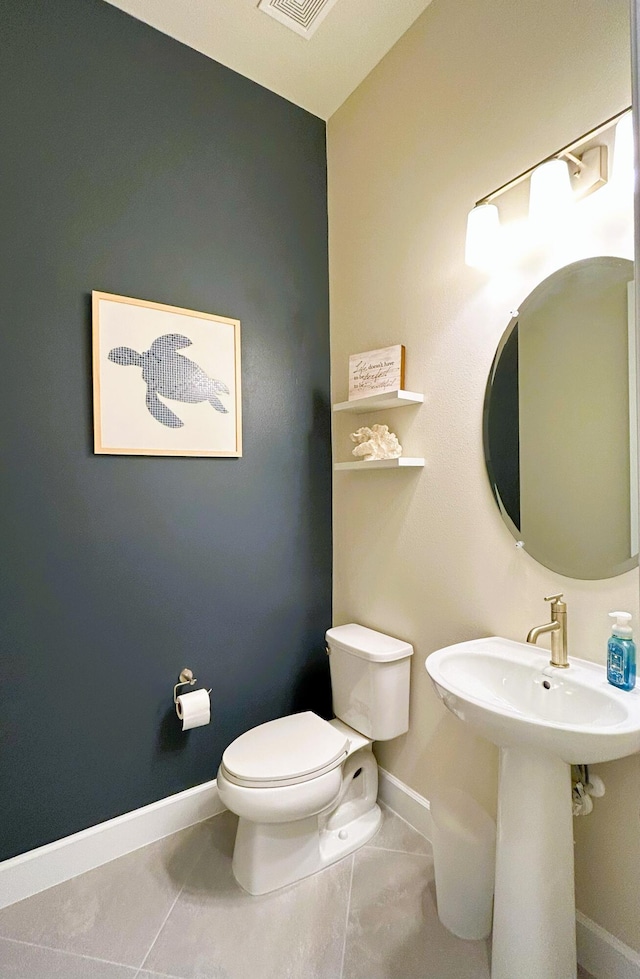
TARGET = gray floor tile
(19,961)
(143,974)
(393,928)
(113,912)
(155,975)
(395,834)
(217,931)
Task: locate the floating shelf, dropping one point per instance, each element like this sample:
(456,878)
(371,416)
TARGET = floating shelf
(400,463)
(377,402)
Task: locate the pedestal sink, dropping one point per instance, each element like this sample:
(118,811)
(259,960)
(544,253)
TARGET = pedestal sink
(543,719)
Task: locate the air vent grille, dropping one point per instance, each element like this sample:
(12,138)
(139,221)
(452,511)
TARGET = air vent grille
(301,16)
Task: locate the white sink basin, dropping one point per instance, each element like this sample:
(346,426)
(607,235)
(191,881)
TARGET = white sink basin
(510,694)
(543,719)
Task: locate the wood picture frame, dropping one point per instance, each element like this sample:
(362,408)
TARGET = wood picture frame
(166,380)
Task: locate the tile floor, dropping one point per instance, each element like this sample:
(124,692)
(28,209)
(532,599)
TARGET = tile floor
(174,909)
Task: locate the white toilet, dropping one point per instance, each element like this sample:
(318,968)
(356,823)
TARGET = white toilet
(305,789)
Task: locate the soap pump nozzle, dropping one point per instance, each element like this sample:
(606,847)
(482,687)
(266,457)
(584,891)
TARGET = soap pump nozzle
(622,625)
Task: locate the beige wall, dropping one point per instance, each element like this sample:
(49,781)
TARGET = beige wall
(475,92)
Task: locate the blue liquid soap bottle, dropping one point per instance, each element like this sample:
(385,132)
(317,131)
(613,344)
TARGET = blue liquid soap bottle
(621,653)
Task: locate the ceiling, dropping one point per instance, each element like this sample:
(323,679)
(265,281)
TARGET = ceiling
(318,73)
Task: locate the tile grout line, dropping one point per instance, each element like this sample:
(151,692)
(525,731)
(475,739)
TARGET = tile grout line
(74,955)
(388,808)
(346,920)
(166,918)
(408,853)
(175,901)
(160,975)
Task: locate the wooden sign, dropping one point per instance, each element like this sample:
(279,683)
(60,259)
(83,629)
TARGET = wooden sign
(376,372)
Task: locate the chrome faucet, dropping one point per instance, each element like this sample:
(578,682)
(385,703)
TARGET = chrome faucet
(558,629)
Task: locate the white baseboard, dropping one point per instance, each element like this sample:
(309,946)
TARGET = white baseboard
(413,808)
(34,871)
(602,954)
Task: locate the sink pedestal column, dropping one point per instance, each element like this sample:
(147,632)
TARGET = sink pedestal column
(534,921)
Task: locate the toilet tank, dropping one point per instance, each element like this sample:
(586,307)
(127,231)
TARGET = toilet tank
(370,680)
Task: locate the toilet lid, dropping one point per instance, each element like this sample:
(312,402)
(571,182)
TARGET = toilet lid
(288,750)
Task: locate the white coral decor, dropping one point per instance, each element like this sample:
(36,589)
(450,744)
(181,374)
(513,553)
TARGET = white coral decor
(376,443)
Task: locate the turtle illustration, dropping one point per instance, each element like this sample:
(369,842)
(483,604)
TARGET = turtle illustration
(172,375)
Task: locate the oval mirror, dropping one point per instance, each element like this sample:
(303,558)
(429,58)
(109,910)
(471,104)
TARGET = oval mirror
(560,421)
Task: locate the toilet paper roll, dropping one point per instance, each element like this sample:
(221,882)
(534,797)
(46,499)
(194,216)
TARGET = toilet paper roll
(194,709)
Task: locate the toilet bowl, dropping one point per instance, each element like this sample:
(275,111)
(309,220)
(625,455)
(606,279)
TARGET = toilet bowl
(305,789)
(296,822)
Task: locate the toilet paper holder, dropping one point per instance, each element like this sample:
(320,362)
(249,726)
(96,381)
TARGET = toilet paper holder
(186,679)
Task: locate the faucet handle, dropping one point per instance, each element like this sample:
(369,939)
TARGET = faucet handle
(557,601)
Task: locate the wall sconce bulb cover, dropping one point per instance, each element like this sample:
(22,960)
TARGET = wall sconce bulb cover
(550,191)
(483,230)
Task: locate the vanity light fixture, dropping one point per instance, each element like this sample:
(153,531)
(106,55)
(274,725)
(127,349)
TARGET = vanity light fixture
(570,173)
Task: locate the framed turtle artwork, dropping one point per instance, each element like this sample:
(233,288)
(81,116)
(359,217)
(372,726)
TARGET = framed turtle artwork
(166,380)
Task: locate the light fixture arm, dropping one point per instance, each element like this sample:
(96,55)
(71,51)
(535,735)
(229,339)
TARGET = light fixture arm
(577,162)
(566,152)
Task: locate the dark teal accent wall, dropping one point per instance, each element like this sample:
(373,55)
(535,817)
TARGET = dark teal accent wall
(132,164)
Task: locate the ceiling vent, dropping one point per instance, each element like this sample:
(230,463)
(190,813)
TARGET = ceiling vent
(301,16)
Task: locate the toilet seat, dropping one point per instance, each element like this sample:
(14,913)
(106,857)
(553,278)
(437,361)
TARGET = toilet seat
(287,751)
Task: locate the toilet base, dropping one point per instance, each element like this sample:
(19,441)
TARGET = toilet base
(268,856)
(338,843)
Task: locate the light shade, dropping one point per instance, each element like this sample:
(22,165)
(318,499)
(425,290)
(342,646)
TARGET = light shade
(550,192)
(483,230)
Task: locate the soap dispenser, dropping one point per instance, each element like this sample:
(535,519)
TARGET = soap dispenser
(621,653)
